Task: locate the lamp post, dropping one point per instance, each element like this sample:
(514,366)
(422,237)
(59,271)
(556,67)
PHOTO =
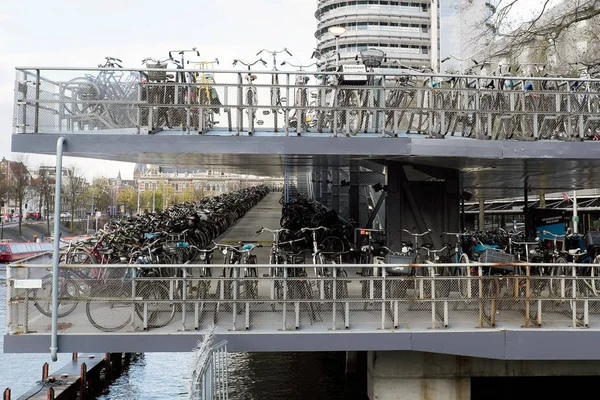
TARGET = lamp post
(337,31)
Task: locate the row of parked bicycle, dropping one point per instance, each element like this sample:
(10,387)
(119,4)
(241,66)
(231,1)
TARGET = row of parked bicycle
(177,235)
(493,107)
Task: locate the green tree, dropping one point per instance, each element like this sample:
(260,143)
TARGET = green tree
(98,194)
(128,198)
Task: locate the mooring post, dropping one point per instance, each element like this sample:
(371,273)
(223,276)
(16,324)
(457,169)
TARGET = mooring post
(6,394)
(74,356)
(50,395)
(45,371)
(82,381)
(107,367)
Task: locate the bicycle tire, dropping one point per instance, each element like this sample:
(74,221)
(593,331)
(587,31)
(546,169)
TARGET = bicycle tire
(43,296)
(107,315)
(159,314)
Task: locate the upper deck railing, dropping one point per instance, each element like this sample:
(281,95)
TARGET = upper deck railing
(228,102)
(454,297)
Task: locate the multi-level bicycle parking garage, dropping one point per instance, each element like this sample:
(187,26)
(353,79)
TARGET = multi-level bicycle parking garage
(398,154)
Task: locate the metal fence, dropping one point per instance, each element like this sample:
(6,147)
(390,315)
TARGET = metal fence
(69,100)
(322,297)
(210,370)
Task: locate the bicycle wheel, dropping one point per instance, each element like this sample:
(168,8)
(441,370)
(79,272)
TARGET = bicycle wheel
(463,281)
(161,310)
(109,308)
(68,290)
(558,274)
(352,117)
(332,244)
(81,91)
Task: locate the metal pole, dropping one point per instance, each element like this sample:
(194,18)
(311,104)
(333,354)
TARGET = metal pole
(153,198)
(337,52)
(575,217)
(138,203)
(55,255)
(434,35)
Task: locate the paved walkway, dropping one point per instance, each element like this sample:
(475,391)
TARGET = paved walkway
(266,214)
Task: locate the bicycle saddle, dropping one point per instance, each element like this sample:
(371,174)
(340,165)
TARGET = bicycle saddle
(576,252)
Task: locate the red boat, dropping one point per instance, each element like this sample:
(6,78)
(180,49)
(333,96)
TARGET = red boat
(11,251)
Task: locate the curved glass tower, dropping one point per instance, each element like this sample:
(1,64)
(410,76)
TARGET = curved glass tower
(401,29)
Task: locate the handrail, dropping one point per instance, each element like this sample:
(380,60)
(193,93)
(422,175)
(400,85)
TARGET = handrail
(270,72)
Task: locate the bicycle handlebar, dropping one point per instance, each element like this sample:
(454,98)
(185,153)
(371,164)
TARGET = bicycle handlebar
(293,241)
(417,234)
(299,66)
(235,61)
(552,234)
(314,229)
(433,250)
(457,234)
(275,52)
(273,231)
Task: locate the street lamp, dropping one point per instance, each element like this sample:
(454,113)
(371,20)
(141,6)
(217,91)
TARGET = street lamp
(337,31)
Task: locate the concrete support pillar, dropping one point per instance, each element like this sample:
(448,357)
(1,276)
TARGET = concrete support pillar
(542,198)
(315,182)
(394,204)
(354,192)
(481,215)
(324,185)
(335,189)
(409,375)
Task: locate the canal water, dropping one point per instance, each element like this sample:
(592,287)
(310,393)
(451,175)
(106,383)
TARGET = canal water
(160,376)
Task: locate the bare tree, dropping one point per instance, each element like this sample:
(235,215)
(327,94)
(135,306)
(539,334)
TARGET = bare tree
(73,189)
(44,184)
(549,29)
(19,185)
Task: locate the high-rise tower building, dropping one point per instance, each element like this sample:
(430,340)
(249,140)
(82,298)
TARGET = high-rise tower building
(399,28)
(402,29)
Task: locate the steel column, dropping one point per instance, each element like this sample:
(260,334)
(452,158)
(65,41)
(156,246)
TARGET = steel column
(55,254)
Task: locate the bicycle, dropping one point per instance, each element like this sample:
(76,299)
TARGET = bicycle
(302,118)
(371,59)
(276,100)
(207,96)
(158,95)
(251,94)
(325,287)
(110,305)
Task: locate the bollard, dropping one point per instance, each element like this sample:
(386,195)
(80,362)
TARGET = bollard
(50,395)
(82,381)
(6,394)
(45,371)
(75,355)
(107,367)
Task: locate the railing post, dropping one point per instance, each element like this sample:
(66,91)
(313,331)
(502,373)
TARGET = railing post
(333,299)
(285,277)
(527,294)
(138,124)
(183,299)
(481,299)
(287,105)
(36,115)
(236,272)
(188,110)
(240,104)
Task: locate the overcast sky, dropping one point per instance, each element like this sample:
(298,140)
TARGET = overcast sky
(83,32)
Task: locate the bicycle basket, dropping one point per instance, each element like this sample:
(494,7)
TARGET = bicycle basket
(372,58)
(496,256)
(157,75)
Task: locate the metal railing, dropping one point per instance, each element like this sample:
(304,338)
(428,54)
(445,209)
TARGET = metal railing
(224,102)
(323,297)
(210,372)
